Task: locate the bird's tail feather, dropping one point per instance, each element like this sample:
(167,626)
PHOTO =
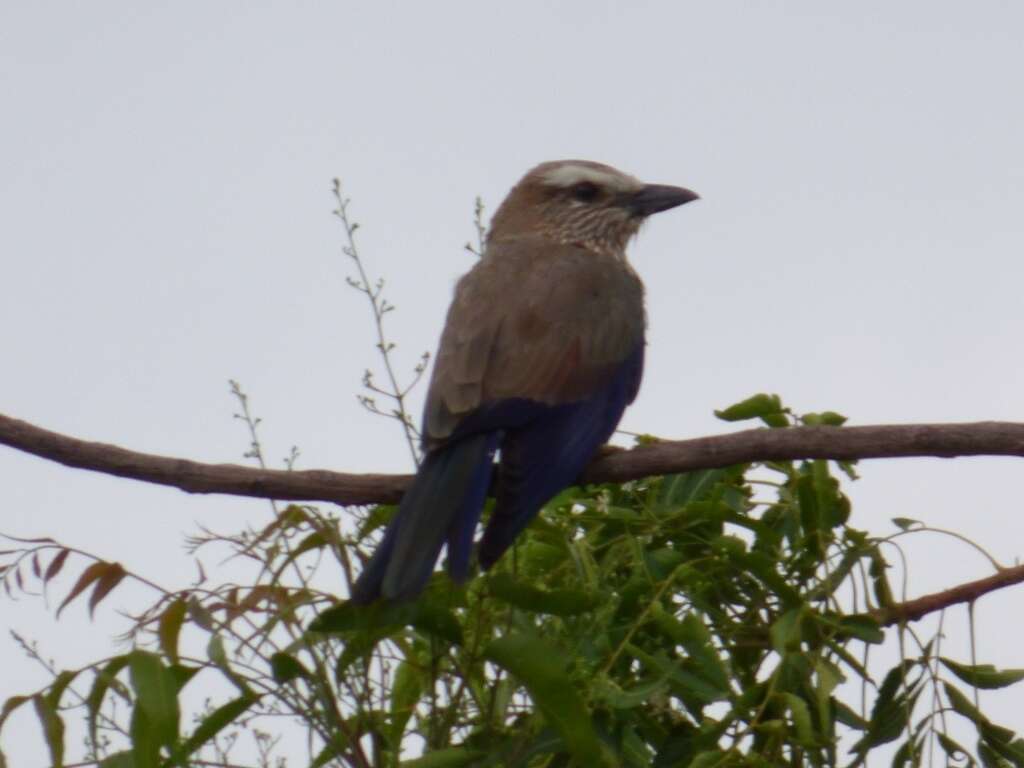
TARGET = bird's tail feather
(442,504)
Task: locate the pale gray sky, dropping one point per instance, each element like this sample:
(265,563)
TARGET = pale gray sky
(164,187)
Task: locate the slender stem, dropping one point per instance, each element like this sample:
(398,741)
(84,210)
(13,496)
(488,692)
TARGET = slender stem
(379,307)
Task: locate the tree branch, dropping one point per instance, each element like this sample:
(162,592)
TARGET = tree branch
(987,438)
(197,477)
(918,608)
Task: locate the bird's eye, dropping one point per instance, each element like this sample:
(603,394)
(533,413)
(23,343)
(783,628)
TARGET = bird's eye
(585,192)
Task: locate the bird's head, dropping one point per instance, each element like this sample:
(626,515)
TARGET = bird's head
(583,203)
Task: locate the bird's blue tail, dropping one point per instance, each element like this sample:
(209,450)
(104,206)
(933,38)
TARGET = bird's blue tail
(442,505)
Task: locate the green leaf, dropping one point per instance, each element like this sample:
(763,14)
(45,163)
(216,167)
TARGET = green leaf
(118,760)
(423,615)
(849,718)
(694,636)
(906,523)
(963,705)
(105,679)
(286,667)
(829,677)
(823,419)
(437,620)
(155,695)
(1002,743)
(891,710)
(328,753)
(60,684)
(758,406)
(953,749)
(996,733)
(359,647)
(775,420)
(862,627)
(145,741)
(182,674)
(635,696)
(989,757)
(315,540)
(214,723)
(557,602)
(662,562)
(406,688)
(452,757)
(10,705)
(218,655)
(785,631)
(541,668)
(763,567)
(377,517)
(689,680)
(169,628)
(679,490)
(837,575)
(904,755)
(883,591)
(709,759)
(678,747)
(983,675)
(834,508)
(53,728)
(349,617)
(538,558)
(215,651)
(801,716)
(634,750)
(810,514)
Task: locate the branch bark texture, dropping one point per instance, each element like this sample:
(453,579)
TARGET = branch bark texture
(986,438)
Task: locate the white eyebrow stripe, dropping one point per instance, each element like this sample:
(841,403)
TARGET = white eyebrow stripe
(572,173)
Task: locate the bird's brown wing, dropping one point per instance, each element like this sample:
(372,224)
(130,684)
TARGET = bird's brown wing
(532,320)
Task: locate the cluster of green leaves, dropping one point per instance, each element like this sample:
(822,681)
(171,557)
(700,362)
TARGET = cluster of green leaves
(717,618)
(690,620)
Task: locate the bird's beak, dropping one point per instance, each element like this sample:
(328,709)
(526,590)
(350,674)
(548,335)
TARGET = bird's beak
(654,198)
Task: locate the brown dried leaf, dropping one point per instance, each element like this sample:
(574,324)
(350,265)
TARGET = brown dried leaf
(268,592)
(109,579)
(56,564)
(89,575)
(200,615)
(35,565)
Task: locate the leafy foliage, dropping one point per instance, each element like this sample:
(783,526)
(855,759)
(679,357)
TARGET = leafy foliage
(709,619)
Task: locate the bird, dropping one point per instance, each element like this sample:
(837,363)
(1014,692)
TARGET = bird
(541,352)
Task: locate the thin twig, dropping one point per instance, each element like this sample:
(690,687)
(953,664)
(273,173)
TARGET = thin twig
(380,307)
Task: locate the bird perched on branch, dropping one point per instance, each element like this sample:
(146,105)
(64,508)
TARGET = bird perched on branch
(542,351)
